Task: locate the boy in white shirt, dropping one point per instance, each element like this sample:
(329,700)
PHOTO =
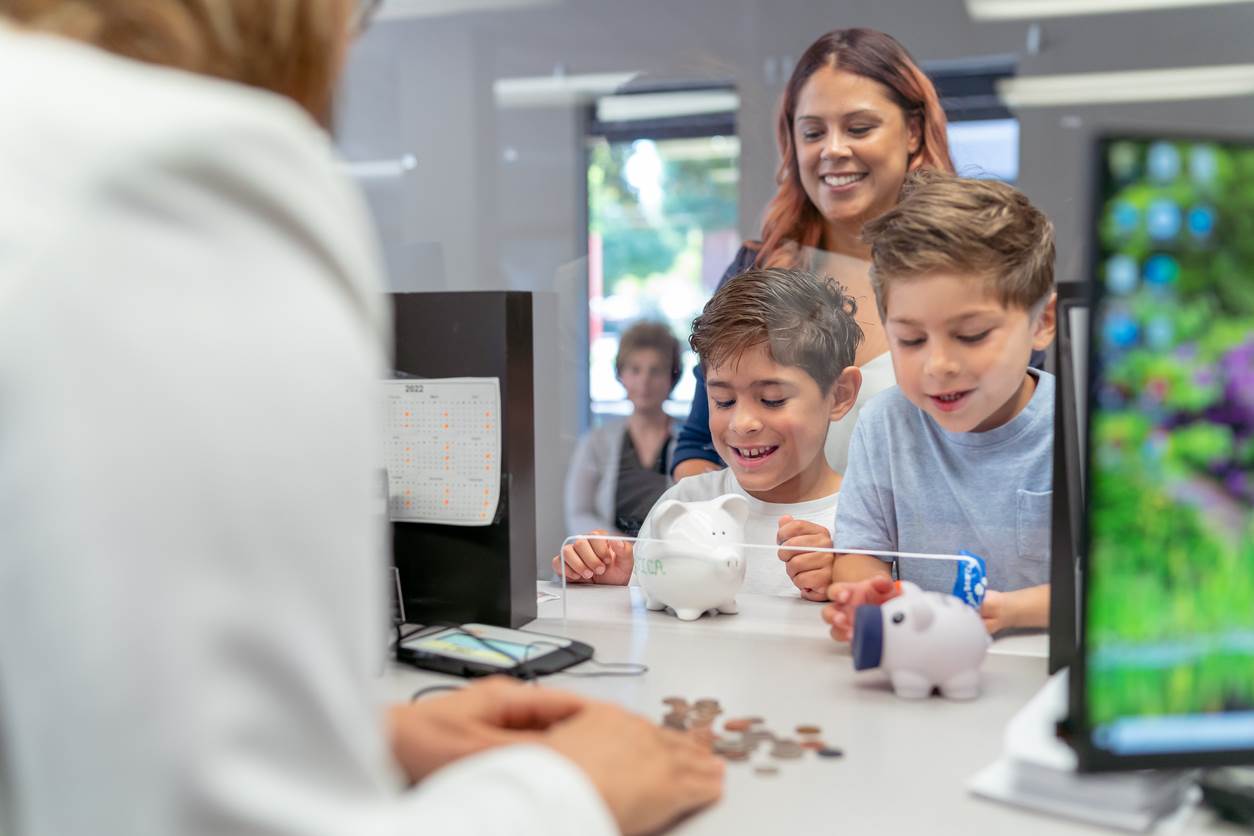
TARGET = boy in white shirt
(777,348)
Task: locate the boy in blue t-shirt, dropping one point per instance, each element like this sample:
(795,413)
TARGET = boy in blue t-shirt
(959,455)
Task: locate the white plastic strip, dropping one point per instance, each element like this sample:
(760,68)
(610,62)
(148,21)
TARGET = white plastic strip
(957,558)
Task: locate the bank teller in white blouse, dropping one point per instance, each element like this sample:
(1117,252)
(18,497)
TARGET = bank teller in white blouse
(192,327)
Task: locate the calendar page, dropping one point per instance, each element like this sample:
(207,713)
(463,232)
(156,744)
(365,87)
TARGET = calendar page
(444,449)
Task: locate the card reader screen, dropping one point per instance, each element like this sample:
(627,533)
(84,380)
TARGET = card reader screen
(501,653)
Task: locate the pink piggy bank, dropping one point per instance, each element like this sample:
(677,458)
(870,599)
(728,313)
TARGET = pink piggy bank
(700,567)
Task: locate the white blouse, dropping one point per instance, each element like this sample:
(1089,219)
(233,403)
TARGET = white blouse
(191,554)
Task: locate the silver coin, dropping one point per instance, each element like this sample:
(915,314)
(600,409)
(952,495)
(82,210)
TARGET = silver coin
(787,749)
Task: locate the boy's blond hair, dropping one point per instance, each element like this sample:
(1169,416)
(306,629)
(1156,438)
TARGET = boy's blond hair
(803,320)
(949,224)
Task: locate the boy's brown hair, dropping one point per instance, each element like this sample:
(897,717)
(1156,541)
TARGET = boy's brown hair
(804,321)
(945,223)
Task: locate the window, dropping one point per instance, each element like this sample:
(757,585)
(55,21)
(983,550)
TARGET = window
(662,224)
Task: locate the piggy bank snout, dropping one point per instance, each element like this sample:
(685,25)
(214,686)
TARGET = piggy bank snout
(728,557)
(868,637)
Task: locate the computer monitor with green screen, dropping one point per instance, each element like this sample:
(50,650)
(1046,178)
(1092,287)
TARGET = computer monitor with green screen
(1166,670)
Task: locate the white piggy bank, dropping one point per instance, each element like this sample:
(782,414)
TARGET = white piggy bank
(924,640)
(700,566)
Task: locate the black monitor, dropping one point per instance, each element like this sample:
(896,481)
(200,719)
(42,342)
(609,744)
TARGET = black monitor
(1165,676)
(1071,361)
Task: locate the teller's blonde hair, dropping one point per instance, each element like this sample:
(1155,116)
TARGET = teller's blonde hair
(291,47)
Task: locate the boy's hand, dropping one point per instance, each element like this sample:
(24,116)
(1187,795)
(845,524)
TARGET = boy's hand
(810,572)
(847,596)
(1022,608)
(596,561)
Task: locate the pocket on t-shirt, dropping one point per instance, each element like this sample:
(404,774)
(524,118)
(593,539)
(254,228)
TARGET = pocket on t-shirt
(1035,520)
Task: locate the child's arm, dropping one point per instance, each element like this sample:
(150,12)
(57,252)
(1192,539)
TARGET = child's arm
(810,572)
(596,561)
(858,579)
(1027,607)
(865,520)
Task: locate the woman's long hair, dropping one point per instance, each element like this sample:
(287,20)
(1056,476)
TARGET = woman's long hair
(792,221)
(291,47)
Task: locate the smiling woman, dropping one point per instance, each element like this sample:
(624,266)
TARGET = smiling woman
(856,104)
(856,117)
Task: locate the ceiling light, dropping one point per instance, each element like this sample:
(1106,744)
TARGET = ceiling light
(1035,9)
(557,90)
(376,169)
(1130,86)
(641,106)
(397,9)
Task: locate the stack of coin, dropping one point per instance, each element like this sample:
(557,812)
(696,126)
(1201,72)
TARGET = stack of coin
(703,713)
(677,717)
(786,749)
(733,748)
(741,737)
(810,737)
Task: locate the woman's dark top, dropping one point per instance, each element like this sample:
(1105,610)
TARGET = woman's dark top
(638,487)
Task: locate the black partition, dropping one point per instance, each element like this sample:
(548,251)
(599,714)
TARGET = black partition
(483,574)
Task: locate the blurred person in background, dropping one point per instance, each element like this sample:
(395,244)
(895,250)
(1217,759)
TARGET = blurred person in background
(192,612)
(620,468)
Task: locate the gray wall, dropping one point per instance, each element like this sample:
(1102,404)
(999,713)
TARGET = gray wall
(497,198)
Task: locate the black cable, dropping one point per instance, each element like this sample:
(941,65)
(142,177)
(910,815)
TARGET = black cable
(432,689)
(400,637)
(628,668)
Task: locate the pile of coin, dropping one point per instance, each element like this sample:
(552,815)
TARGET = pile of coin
(741,737)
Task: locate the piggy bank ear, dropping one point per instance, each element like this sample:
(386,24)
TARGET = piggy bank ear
(921,615)
(664,515)
(735,505)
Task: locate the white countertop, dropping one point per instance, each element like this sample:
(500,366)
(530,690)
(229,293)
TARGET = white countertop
(906,764)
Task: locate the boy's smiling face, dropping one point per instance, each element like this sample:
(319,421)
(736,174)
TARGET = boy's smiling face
(769,422)
(959,354)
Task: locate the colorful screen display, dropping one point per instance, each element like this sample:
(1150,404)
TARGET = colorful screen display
(1170,600)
